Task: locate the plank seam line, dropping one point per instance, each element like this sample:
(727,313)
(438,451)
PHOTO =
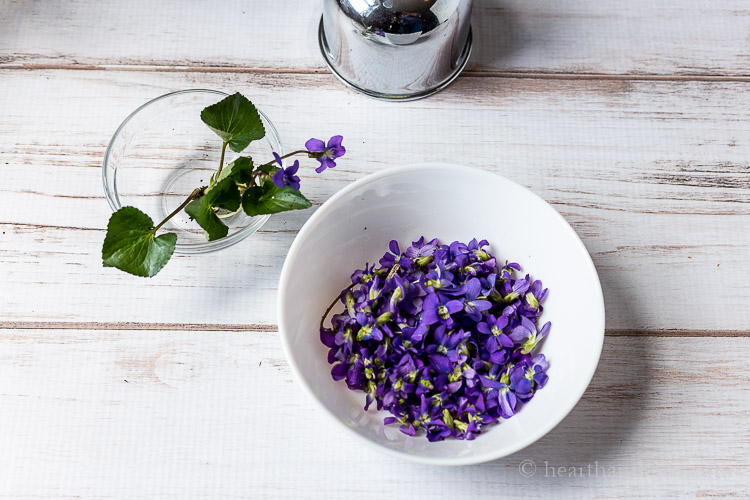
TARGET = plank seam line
(191,327)
(322,71)
(120,325)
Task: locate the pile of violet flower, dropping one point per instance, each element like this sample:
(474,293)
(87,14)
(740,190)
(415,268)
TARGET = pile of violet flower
(441,336)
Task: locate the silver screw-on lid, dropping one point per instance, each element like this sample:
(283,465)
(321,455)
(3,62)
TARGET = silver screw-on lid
(396,49)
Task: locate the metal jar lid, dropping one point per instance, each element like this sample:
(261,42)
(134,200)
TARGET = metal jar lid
(396,49)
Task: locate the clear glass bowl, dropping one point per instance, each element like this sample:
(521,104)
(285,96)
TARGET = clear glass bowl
(162,151)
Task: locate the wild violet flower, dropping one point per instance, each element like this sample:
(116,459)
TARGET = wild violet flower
(441,280)
(535,338)
(286,176)
(493,327)
(472,304)
(394,256)
(528,375)
(421,252)
(441,337)
(437,310)
(326,154)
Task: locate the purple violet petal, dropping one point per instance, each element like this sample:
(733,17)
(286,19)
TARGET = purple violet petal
(454,306)
(338,372)
(328,338)
(439,363)
(315,146)
(482,305)
(472,289)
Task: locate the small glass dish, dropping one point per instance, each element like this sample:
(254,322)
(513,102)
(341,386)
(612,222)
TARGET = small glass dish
(162,151)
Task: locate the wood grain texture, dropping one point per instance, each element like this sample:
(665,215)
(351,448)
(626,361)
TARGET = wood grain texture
(609,37)
(629,117)
(215,415)
(654,177)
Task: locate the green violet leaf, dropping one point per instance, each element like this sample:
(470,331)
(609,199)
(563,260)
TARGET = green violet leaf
(271,169)
(236,120)
(271,199)
(240,170)
(131,245)
(223,194)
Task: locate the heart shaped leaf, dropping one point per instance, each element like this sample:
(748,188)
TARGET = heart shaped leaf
(131,244)
(236,120)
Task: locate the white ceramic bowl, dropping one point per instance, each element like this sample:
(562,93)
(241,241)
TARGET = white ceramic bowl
(450,203)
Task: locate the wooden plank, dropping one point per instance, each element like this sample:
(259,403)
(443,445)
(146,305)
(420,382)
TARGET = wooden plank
(112,414)
(640,37)
(654,176)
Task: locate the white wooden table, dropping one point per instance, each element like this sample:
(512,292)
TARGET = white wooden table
(631,118)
